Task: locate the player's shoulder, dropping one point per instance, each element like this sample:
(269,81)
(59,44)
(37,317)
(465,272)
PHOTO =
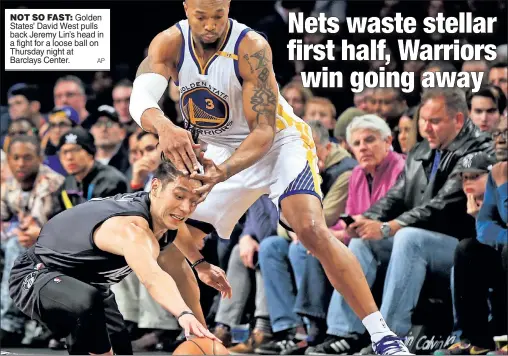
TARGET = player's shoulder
(167,42)
(252,42)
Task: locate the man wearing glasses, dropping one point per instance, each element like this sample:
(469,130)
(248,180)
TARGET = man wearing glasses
(109,134)
(60,121)
(70,91)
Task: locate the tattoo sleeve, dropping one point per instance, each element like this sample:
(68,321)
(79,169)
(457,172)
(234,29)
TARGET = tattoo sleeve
(264,99)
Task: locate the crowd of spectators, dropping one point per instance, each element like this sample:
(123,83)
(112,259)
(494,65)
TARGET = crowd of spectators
(415,185)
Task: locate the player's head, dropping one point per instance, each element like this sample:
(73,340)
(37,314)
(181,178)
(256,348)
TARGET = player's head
(172,198)
(208,20)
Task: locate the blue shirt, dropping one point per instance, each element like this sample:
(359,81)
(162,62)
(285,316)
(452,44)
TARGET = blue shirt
(261,220)
(493,215)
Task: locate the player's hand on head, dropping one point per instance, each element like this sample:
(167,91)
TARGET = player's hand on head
(213,174)
(192,327)
(214,277)
(178,146)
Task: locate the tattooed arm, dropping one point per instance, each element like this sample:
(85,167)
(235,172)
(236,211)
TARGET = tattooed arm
(260,97)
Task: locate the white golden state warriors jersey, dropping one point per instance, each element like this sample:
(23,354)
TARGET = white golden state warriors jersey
(211,96)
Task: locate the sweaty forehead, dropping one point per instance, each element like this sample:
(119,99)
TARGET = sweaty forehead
(184,183)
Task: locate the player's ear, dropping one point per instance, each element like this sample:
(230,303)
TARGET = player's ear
(156,187)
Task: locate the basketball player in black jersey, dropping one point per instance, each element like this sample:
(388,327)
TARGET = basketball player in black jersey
(63,280)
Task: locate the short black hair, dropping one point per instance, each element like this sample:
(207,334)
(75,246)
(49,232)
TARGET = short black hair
(492,92)
(34,140)
(144,133)
(499,64)
(29,91)
(166,172)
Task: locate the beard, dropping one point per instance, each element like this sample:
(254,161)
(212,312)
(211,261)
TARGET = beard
(210,46)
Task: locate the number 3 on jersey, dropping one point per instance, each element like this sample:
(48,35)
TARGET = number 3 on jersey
(209,104)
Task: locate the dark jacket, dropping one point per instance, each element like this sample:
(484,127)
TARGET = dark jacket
(120,160)
(101,182)
(440,205)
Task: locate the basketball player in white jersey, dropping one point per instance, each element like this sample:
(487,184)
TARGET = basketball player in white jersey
(255,144)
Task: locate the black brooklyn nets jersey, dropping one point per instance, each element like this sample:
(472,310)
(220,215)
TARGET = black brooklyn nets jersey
(66,241)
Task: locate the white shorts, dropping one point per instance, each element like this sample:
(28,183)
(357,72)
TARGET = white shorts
(290,167)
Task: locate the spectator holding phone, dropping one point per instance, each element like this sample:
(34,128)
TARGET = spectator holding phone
(379,167)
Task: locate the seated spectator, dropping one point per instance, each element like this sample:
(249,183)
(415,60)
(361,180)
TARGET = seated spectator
(479,265)
(378,170)
(121,98)
(87,178)
(27,201)
(133,153)
(389,104)
(297,97)
(321,109)
(363,100)
(24,101)
(19,127)
(109,134)
(147,162)
(417,225)
(278,256)
(498,76)
(342,123)
(409,134)
(335,165)
(244,275)
(479,66)
(70,91)
(60,121)
(486,107)
(492,218)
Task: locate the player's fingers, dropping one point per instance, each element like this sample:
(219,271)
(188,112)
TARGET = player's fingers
(202,198)
(186,159)
(201,177)
(209,335)
(176,160)
(191,155)
(204,189)
(198,329)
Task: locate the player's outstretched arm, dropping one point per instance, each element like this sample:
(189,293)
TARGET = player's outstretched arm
(260,99)
(150,84)
(131,237)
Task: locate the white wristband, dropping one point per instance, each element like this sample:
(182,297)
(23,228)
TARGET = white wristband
(147,90)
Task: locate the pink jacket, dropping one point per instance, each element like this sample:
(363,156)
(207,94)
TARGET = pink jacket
(359,199)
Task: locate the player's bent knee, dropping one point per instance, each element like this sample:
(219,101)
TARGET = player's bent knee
(314,236)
